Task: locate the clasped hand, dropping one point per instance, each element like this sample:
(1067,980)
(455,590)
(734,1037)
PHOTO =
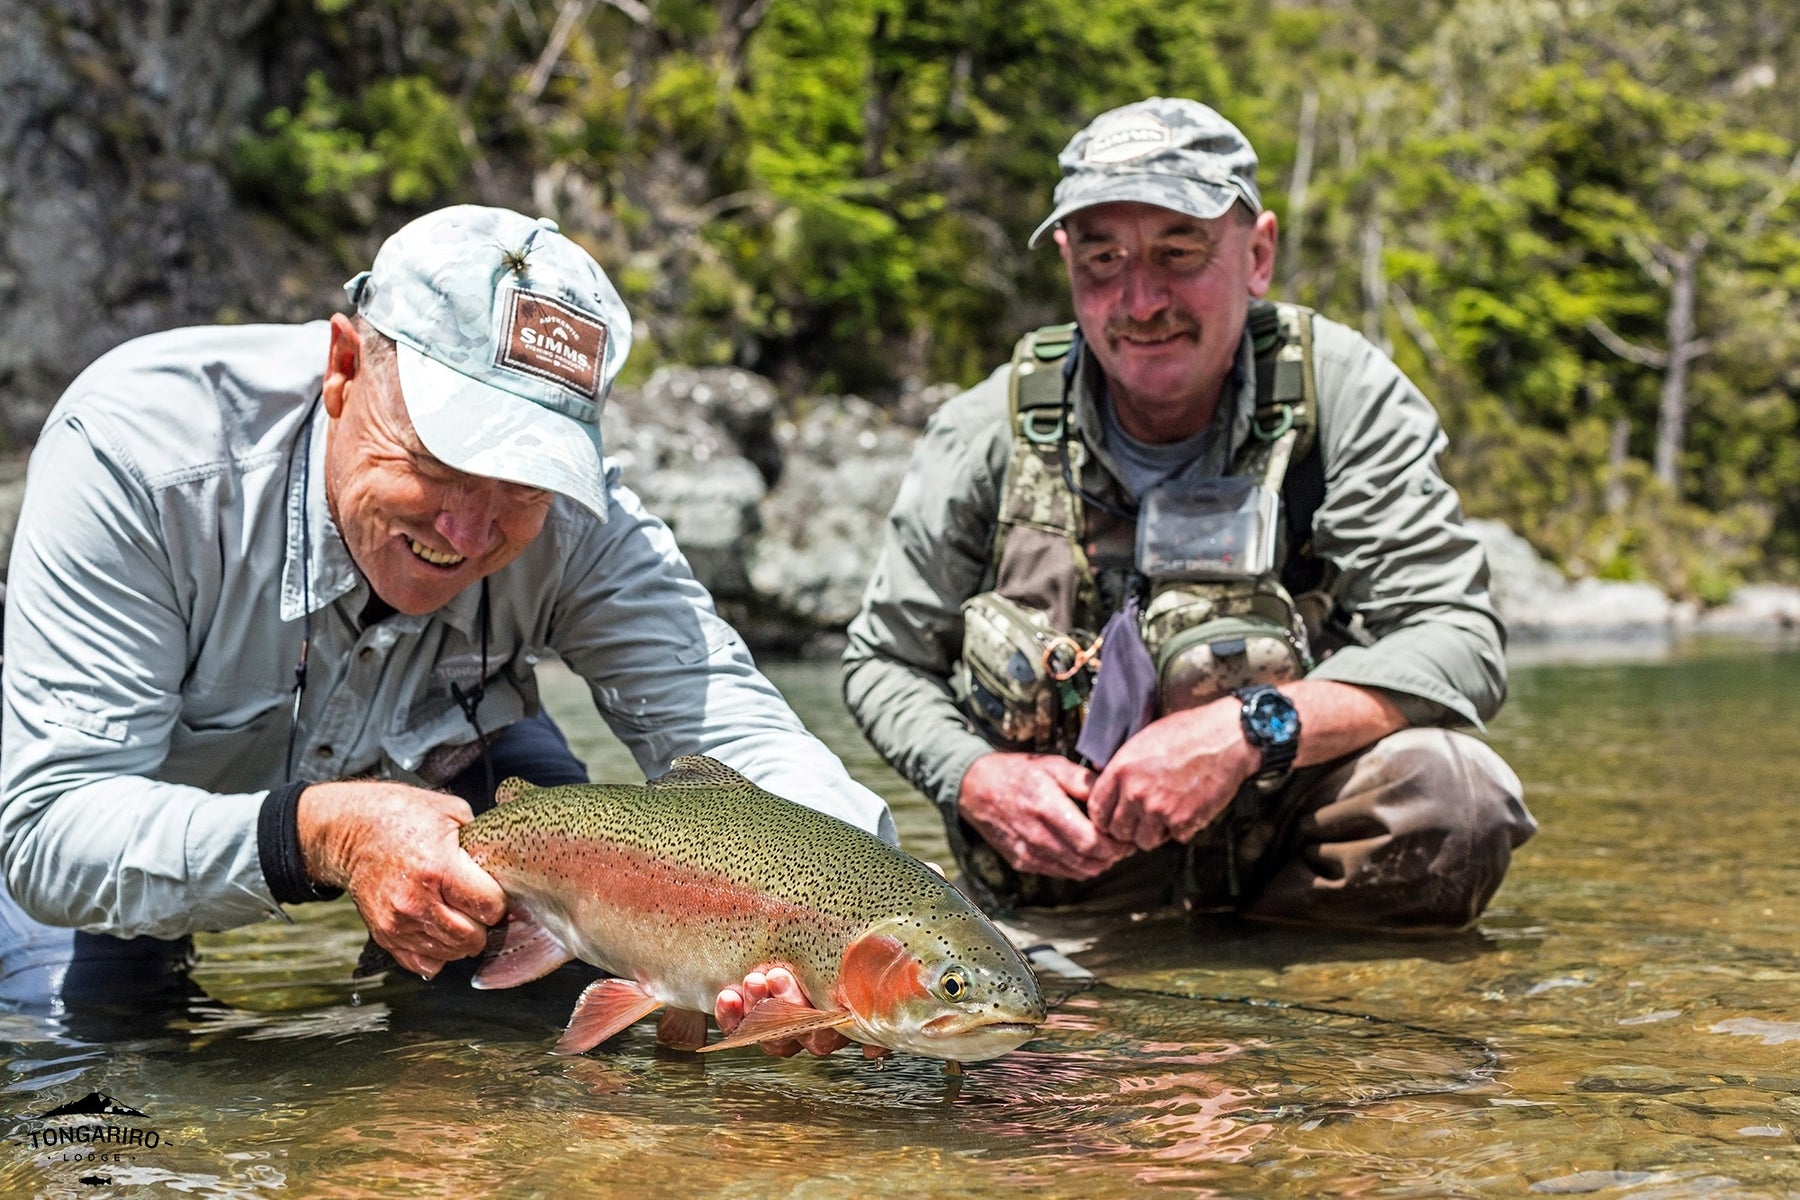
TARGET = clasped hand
(1047,815)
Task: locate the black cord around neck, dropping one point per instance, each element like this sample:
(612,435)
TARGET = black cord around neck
(470,701)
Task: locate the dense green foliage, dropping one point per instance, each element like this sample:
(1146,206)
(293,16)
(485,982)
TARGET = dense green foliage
(1573,224)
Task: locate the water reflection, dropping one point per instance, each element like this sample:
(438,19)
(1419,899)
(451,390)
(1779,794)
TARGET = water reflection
(1624,1022)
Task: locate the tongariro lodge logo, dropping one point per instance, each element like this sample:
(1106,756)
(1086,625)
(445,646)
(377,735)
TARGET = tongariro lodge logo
(94,1104)
(87,1132)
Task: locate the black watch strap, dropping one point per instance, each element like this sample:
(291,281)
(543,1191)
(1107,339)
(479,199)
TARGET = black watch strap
(1272,725)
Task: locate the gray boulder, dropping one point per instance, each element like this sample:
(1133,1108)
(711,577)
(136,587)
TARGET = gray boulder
(1538,603)
(1756,608)
(689,442)
(821,524)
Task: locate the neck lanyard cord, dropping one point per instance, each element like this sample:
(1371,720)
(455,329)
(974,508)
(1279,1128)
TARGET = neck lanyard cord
(470,701)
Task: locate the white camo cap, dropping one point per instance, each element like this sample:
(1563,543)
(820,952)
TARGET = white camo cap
(508,337)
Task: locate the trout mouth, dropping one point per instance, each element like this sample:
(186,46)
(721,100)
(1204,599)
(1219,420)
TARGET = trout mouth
(961,1024)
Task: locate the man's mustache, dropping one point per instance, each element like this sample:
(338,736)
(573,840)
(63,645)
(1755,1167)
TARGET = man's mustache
(1162,327)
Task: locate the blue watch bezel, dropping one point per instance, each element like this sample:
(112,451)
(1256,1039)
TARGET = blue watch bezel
(1271,724)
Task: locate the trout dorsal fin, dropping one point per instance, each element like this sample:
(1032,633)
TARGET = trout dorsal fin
(510,789)
(697,770)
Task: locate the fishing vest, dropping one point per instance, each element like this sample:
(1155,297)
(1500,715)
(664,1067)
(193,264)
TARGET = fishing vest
(1060,567)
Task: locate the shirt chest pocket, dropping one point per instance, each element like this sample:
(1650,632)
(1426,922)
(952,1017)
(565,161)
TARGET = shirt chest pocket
(437,738)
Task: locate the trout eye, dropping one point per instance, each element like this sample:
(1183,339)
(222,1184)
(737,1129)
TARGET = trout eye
(953,985)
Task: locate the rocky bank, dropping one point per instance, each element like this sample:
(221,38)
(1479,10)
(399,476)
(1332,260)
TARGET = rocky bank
(779,511)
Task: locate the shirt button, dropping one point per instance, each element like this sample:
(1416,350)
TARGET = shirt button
(365,653)
(323,752)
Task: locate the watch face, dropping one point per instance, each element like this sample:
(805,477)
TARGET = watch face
(1273,718)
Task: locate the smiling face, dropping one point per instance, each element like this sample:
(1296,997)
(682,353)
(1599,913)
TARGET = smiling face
(418,530)
(1161,298)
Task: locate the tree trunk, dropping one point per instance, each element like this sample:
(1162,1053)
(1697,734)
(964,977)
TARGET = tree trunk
(1374,278)
(1297,189)
(1618,452)
(1684,347)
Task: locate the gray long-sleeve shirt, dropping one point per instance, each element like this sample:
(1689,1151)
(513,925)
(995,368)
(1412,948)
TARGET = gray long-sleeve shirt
(157,601)
(1389,523)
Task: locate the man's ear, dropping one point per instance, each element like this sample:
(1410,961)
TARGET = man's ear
(342,362)
(1265,234)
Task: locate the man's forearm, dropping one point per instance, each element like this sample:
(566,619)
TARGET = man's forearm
(1340,718)
(910,718)
(132,857)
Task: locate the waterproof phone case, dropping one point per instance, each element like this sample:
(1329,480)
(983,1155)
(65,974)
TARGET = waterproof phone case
(1212,529)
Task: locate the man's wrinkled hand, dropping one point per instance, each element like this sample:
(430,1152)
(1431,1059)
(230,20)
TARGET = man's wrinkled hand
(735,1003)
(394,849)
(1028,808)
(1173,777)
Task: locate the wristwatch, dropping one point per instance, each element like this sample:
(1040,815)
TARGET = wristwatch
(1272,725)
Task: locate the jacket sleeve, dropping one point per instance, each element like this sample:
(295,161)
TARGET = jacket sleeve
(96,649)
(671,677)
(1393,528)
(934,555)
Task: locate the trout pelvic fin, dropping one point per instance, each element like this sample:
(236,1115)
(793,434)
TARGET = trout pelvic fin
(773,1019)
(697,770)
(604,1008)
(682,1028)
(519,951)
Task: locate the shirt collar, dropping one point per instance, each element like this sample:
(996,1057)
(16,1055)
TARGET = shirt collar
(317,569)
(1240,395)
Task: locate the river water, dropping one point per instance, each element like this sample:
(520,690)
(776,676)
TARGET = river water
(1625,1021)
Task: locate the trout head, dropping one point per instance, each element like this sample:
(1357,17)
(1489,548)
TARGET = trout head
(948,986)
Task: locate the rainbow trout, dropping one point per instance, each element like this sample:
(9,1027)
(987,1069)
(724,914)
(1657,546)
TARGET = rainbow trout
(681,887)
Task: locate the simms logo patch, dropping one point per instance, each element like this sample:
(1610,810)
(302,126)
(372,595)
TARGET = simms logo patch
(1130,137)
(548,339)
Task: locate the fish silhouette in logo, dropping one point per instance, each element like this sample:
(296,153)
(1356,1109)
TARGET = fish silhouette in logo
(94,1104)
(95,1180)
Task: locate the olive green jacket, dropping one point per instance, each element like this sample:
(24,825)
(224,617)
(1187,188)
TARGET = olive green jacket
(1389,524)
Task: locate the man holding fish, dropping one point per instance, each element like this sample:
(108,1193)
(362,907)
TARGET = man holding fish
(1176,605)
(276,598)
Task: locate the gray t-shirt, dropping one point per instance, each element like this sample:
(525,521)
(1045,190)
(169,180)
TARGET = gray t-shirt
(1143,465)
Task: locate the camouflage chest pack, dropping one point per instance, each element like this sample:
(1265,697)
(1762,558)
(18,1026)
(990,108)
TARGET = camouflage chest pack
(1216,568)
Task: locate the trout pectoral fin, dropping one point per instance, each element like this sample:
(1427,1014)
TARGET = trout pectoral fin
(682,1028)
(372,963)
(522,951)
(776,1019)
(604,1008)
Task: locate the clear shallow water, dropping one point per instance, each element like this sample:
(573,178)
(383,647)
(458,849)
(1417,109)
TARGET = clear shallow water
(1624,1022)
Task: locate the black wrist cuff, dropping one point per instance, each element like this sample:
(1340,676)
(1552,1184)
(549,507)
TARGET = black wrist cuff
(278,846)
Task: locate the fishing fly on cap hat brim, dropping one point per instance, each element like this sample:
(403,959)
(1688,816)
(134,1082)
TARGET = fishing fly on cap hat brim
(1175,154)
(508,336)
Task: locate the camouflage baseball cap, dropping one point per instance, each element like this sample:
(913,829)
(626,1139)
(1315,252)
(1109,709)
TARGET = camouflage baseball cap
(1177,154)
(508,337)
